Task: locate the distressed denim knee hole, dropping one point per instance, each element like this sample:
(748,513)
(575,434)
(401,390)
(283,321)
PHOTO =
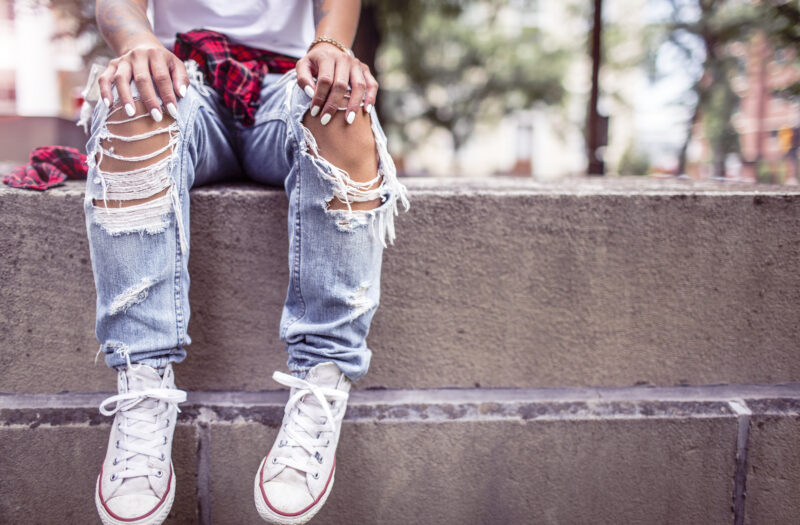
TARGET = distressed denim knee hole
(354,204)
(132,163)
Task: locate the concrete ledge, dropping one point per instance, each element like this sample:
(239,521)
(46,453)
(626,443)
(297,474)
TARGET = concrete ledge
(773,470)
(502,472)
(500,283)
(606,456)
(49,473)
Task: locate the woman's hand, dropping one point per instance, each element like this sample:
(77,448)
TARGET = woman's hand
(335,71)
(156,72)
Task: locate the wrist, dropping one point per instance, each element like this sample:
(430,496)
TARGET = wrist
(327,41)
(146,42)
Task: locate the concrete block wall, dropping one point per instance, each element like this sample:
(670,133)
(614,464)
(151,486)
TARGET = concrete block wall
(604,351)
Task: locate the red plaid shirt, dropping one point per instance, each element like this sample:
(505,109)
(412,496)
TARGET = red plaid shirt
(233,70)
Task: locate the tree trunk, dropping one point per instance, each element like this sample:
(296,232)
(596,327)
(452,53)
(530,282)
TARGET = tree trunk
(689,133)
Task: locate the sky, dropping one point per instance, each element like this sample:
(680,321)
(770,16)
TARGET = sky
(660,118)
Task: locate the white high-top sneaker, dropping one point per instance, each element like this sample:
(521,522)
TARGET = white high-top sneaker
(136,485)
(295,478)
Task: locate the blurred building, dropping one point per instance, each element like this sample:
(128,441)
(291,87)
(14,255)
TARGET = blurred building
(40,75)
(767,121)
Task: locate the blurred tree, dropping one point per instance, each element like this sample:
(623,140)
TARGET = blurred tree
(80,14)
(780,21)
(702,30)
(449,64)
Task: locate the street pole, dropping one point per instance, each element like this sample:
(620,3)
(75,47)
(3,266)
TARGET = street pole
(595,166)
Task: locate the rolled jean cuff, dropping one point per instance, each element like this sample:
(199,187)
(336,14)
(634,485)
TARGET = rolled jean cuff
(156,359)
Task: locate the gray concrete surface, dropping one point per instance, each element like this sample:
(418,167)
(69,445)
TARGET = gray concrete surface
(773,476)
(492,283)
(49,473)
(474,456)
(564,472)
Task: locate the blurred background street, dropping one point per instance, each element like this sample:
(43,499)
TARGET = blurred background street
(685,88)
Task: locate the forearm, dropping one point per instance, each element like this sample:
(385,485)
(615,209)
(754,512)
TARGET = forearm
(124,24)
(337,19)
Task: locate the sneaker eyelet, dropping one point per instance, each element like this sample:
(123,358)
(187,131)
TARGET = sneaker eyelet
(113,477)
(117,444)
(159,473)
(316,475)
(115,461)
(165,440)
(163,457)
(274,461)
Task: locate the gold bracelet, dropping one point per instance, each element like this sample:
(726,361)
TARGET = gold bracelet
(326,40)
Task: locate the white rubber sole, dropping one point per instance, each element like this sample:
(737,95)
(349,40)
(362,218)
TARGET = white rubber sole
(270,516)
(157,518)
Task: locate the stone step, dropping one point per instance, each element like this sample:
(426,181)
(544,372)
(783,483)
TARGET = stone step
(712,454)
(492,283)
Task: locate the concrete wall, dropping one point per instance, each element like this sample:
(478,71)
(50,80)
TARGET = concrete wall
(588,351)
(522,285)
(477,456)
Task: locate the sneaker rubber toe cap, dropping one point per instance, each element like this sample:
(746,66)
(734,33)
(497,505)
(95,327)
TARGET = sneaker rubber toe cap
(286,498)
(133,506)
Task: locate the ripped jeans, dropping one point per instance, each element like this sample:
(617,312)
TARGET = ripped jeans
(140,249)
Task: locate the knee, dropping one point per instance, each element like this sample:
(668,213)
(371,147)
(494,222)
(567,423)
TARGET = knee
(132,158)
(352,149)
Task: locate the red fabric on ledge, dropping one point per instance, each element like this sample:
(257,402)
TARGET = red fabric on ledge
(48,166)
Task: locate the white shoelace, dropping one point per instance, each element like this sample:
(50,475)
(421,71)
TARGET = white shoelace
(139,425)
(308,423)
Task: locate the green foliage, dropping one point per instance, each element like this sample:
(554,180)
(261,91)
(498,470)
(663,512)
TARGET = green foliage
(634,162)
(764,173)
(721,103)
(449,65)
(780,20)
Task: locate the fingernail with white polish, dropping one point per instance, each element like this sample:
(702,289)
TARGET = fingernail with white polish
(156,114)
(369,108)
(314,111)
(325,118)
(182,90)
(129,109)
(172,110)
(107,102)
(351,117)
(309,91)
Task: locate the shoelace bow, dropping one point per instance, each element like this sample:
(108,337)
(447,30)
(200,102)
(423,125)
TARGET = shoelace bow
(143,438)
(306,426)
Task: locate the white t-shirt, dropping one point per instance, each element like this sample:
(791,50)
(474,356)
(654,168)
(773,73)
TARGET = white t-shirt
(282,26)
